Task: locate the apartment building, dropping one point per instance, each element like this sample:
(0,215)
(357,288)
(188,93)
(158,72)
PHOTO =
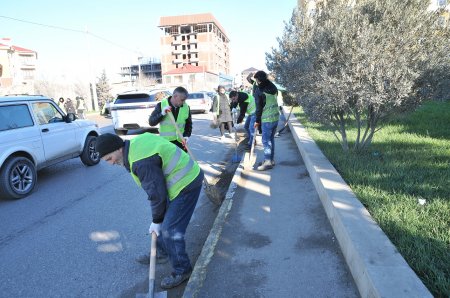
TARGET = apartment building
(197,40)
(17,68)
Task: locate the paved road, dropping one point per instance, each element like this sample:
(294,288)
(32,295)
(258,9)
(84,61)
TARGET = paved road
(77,235)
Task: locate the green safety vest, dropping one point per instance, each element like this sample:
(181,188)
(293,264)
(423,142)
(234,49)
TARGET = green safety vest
(166,128)
(251,108)
(270,111)
(178,168)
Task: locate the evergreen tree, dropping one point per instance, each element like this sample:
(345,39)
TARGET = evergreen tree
(103,90)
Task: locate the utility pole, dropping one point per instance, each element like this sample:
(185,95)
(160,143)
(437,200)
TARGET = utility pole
(92,84)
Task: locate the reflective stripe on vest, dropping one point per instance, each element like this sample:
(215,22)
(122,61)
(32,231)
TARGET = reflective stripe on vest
(251,107)
(270,111)
(166,128)
(178,168)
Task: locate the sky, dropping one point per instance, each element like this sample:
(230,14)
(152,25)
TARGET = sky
(123,30)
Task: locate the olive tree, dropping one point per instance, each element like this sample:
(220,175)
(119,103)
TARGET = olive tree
(359,61)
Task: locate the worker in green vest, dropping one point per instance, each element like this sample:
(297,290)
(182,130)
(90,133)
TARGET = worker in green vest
(266,117)
(247,106)
(172,181)
(182,114)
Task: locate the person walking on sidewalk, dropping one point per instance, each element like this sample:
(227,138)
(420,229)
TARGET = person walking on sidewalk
(247,107)
(182,114)
(172,181)
(81,107)
(221,107)
(266,117)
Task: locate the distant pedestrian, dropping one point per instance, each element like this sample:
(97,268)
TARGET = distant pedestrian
(266,117)
(61,104)
(81,107)
(221,107)
(180,110)
(68,105)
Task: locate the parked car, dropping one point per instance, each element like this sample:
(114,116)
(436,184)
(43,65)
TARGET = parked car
(199,102)
(35,133)
(131,110)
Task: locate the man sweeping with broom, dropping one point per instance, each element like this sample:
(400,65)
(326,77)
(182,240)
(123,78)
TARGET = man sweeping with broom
(172,181)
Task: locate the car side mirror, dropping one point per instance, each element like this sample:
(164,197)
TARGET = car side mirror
(70,117)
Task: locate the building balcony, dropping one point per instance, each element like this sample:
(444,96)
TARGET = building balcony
(193,51)
(176,42)
(176,52)
(193,40)
(194,60)
(177,61)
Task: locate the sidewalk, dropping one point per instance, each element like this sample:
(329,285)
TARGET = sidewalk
(297,230)
(276,240)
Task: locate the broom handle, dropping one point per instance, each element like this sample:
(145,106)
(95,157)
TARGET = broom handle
(180,135)
(151,274)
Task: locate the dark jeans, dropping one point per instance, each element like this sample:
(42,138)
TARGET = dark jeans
(268,139)
(171,240)
(249,127)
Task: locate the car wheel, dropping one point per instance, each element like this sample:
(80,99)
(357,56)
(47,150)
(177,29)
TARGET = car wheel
(90,156)
(17,178)
(120,132)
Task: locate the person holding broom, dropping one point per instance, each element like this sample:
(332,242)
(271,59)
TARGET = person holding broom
(172,181)
(182,114)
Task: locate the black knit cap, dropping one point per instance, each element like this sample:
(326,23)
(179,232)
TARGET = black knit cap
(107,143)
(261,75)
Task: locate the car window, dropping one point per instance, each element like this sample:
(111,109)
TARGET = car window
(15,116)
(134,98)
(46,113)
(195,96)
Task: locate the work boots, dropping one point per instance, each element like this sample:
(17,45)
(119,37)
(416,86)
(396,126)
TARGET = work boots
(266,165)
(174,280)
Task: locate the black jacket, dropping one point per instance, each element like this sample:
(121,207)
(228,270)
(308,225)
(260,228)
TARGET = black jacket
(260,98)
(150,174)
(156,117)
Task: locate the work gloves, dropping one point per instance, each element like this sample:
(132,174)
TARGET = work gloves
(154,227)
(185,141)
(166,110)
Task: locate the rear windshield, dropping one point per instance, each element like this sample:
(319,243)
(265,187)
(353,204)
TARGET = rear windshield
(131,98)
(141,97)
(195,95)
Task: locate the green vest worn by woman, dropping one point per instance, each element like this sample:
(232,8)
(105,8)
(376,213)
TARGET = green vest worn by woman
(251,107)
(166,128)
(270,111)
(178,168)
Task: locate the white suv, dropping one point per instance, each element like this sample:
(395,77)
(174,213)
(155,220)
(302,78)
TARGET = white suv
(131,110)
(35,133)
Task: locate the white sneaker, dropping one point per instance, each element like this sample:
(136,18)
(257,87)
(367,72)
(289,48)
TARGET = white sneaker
(266,165)
(223,138)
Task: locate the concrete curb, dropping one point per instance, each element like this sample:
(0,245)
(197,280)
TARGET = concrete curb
(376,266)
(198,275)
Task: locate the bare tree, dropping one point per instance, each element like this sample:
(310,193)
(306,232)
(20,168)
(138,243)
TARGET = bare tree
(360,62)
